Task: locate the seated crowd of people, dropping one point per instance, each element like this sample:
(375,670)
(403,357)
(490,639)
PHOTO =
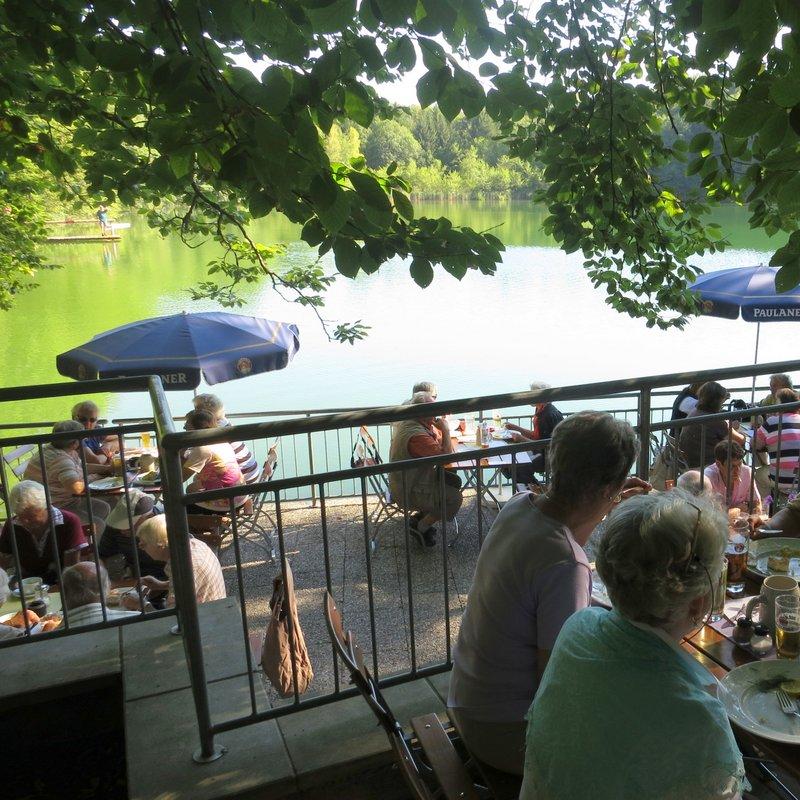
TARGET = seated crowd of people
(53,522)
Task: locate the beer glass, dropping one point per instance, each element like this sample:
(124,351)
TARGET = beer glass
(718,600)
(146,439)
(787,625)
(736,553)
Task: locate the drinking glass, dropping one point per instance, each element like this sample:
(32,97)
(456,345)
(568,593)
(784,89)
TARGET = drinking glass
(736,553)
(718,600)
(787,625)
(146,439)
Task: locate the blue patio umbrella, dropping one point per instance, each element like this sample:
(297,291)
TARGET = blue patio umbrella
(181,348)
(750,291)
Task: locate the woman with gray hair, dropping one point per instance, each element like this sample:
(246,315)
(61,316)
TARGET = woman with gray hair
(63,474)
(532,574)
(622,712)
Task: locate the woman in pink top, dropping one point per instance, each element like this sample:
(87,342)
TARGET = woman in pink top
(531,575)
(212,466)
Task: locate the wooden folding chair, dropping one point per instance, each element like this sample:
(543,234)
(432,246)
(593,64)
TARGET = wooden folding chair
(431,766)
(365,454)
(252,515)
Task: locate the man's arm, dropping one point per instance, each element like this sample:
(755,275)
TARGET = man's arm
(444,428)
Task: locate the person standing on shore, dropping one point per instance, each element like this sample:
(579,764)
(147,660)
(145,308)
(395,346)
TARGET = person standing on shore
(102,218)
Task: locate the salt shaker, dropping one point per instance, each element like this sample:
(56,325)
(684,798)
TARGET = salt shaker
(761,641)
(743,631)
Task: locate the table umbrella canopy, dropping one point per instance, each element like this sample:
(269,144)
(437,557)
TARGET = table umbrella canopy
(750,290)
(181,347)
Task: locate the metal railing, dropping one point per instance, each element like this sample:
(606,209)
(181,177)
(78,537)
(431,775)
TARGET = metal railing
(639,390)
(86,505)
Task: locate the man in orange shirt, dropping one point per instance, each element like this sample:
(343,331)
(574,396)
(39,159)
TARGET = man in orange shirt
(419,438)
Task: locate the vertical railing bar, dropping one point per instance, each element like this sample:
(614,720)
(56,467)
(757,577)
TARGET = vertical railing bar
(479,496)
(776,495)
(703,436)
(53,535)
(445,564)
(127,501)
(311,465)
(14,548)
(290,626)
(90,516)
(370,587)
(240,583)
(407,533)
(323,511)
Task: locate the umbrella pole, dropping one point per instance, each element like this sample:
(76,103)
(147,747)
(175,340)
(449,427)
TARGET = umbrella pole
(755,363)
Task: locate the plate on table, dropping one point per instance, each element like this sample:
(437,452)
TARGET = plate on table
(45,588)
(503,436)
(748,694)
(148,479)
(779,556)
(105,484)
(6,618)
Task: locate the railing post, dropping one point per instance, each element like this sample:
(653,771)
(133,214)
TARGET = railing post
(183,591)
(643,465)
(311,467)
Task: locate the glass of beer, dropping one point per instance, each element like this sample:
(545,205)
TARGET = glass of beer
(718,601)
(736,553)
(787,625)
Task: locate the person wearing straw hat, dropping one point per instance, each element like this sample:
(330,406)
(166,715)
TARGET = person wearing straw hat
(118,542)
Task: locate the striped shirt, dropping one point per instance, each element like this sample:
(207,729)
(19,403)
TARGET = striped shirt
(63,470)
(246,460)
(767,438)
(92,613)
(208,581)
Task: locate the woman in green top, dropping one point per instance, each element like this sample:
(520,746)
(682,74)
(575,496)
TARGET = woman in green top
(622,712)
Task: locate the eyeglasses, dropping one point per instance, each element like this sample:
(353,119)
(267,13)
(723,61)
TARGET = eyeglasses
(692,555)
(84,420)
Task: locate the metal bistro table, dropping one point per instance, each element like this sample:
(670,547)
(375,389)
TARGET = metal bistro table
(719,654)
(493,491)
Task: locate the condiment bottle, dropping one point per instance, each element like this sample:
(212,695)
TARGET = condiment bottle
(761,641)
(479,436)
(743,631)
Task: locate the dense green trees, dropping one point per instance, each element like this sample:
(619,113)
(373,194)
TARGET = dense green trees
(151,100)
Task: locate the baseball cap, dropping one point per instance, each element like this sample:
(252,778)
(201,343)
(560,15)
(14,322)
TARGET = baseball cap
(141,505)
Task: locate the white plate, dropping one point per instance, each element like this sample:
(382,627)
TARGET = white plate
(755,711)
(104,484)
(762,549)
(143,482)
(503,436)
(34,628)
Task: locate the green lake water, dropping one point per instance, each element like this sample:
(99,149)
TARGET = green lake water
(538,318)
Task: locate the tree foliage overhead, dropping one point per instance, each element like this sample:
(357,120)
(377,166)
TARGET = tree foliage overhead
(157,105)
(151,99)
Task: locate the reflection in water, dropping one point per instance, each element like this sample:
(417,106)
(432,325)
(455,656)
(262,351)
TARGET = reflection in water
(538,318)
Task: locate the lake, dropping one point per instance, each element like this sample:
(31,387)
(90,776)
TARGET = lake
(538,318)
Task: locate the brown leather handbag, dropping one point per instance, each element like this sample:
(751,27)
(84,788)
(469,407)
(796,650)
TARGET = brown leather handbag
(283,638)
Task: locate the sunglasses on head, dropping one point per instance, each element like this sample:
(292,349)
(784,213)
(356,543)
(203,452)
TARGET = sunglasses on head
(693,557)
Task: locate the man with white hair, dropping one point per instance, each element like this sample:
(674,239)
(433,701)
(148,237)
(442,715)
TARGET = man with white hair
(418,438)
(546,417)
(426,386)
(244,458)
(208,581)
(33,523)
(83,591)
(695,482)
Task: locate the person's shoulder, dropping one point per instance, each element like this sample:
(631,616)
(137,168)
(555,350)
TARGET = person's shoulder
(71,518)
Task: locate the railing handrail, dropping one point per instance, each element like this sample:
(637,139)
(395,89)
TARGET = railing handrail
(591,391)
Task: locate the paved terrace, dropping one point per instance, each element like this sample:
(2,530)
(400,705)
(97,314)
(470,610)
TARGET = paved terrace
(334,751)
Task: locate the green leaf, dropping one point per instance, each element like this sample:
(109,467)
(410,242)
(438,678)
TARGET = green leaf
(785,91)
(332,17)
(401,53)
(117,57)
(702,141)
(370,53)
(773,131)
(403,205)
(431,84)
(794,119)
(358,104)
(422,272)
(488,69)
(347,255)
(260,204)
(396,13)
(788,276)
(370,191)
(277,89)
(745,119)
(472,98)
(450,101)
(335,215)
